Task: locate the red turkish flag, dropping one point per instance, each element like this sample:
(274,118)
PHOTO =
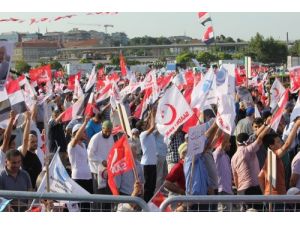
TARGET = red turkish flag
(41,74)
(295,78)
(119,161)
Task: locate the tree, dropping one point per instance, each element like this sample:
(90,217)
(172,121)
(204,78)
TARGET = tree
(55,65)
(223,55)
(205,57)
(267,50)
(238,55)
(115,60)
(22,66)
(99,66)
(85,61)
(184,57)
(295,49)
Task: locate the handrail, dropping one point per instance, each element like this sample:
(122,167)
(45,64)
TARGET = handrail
(73,197)
(229,199)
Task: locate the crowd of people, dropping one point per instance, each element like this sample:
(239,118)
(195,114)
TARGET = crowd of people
(229,165)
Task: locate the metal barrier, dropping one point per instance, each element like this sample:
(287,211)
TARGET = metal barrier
(235,203)
(91,201)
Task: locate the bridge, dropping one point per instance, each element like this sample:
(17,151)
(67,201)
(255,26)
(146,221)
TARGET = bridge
(146,51)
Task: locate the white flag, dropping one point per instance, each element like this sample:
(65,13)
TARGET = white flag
(202,89)
(296,110)
(197,139)
(226,114)
(172,112)
(277,90)
(59,180)
(256,112)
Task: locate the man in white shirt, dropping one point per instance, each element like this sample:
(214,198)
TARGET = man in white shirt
(98,149)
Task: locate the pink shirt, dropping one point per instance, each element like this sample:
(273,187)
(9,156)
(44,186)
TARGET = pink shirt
(245,166)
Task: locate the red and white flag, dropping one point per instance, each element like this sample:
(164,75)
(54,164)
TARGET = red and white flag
(204,17)
(149,80)
(104,94)
(226,114)
(172,112)
(278,114)
(119,161)
(15,96)
(277,90)
(295,78)
(41,74)
(156,201)
(91,108)
(92,81)
(208,36)
(71,80)
(77,89)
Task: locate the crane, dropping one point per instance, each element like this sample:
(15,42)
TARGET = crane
(94,24)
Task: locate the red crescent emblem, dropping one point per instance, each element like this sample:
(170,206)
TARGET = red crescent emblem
(174,115)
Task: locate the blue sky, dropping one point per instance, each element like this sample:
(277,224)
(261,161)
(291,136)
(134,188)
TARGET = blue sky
(235,24)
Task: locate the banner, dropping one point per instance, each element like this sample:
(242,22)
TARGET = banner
(41,74)
(6,53)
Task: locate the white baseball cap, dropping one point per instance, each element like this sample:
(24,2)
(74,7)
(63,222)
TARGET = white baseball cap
(76,128)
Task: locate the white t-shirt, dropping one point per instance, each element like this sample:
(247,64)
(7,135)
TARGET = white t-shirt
(2,160)
(98,150)
(79,162)
(148,144)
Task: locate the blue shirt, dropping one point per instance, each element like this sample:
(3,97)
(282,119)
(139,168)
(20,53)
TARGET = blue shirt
(92,128)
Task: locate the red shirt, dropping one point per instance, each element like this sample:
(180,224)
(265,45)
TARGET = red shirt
(176,175)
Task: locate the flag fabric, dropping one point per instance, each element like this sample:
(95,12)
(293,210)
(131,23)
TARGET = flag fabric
(149,80)
(92,81)
(179,80)
(41,74)
(295,78)
(143,106)
(59,180)
(256,112)
(226,114)
(208,36)
(15,96)
(278,114)
(164,81)
(277,90)
(77,109)
(71,80)
(123,65)
(202,89)
(3,203)
(172,112)
(77,89)
(90,108)
(119,161)
(156,201)
(115,97)
(296,110)
(59,74)
(204,17)
(104,94)
(29,94)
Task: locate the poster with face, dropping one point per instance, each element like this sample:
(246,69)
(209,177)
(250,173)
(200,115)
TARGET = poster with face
(6,53)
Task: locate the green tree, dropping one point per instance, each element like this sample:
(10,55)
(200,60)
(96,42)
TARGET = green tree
(22,66)
(205,57)
(99,65)
(184,57)
(55,65)
(115,60)
(223,55)
(295,49)
(267,50)
(238,55)
(85,61)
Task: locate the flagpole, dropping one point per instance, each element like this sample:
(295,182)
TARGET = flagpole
(126,132)
(46,157)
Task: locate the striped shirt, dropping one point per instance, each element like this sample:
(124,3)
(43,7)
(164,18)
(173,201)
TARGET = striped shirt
(245,166)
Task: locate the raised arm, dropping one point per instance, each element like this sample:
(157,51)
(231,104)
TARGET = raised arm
(26,133)
(7,132)
(289,140)
(79,133)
